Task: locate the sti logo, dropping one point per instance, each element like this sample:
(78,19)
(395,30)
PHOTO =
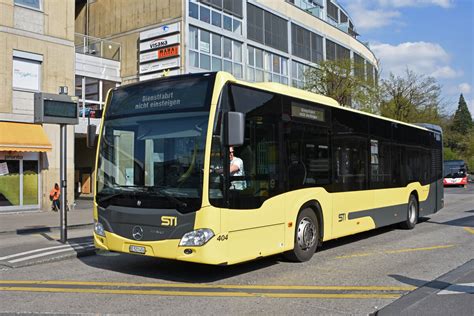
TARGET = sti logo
(169,221)
(158,43)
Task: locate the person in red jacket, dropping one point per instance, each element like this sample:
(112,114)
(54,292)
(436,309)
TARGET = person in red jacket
(54,197)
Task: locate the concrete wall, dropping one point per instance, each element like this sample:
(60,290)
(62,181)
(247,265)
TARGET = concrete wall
(48,32)
(122,20)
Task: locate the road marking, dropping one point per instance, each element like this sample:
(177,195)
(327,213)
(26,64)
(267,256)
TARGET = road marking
(395,251)
(470,230)
(462,288)
(44,254)
(217,286)
(42,249)
(356,255)
(203,293)
(418,249)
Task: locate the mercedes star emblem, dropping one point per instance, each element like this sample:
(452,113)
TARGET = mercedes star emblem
(137,233)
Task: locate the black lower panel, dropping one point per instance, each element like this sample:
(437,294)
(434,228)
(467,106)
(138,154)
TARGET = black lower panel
(146,224)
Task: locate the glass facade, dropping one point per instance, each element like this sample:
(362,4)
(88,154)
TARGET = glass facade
(92,93)
(19,180)
(212,51)
(274,50)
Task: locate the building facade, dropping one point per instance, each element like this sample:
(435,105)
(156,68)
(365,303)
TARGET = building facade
(255,40)
(36,55)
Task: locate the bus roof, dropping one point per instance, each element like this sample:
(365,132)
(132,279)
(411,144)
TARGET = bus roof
(314,97)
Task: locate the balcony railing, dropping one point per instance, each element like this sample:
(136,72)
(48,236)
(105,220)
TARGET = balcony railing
(89,45)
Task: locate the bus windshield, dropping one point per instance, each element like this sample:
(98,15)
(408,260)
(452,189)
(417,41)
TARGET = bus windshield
(152,146)
(454,169)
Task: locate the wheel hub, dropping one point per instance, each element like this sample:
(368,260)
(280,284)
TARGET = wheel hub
(306,234)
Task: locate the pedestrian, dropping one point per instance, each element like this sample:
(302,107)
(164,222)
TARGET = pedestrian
(54,197)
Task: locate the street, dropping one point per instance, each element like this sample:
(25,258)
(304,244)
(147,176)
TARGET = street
(358,274)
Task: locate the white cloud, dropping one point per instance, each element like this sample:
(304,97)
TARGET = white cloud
(422,57)
(464,88)
(374,14)
(415,3)
(366,19)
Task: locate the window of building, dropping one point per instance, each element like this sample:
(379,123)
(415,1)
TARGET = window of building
(33,4)
(267,28)
(205,14)
(330,50)
(193,37)
(92,93)
(233,7)
(193,10)
(215,52)
(298,70)
(359,66)
(332,11)
(370,73)
(212,12)
(266,66)
(27,71)
(342,52)
(216,45)
(306,44)
(216,19)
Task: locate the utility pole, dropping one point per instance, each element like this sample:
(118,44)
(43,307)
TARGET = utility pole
(63,175)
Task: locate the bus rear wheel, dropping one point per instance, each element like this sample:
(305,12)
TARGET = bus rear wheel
(412,213)
(306,236)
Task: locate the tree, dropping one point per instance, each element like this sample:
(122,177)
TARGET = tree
(462,120)
(343,80)
(412,98)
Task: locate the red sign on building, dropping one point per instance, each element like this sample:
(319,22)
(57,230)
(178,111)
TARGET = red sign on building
(168,52)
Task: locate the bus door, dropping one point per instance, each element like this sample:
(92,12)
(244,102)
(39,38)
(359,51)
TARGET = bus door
(253,217)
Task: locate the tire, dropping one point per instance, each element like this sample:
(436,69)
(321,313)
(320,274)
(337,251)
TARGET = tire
(412,213)
(306,236)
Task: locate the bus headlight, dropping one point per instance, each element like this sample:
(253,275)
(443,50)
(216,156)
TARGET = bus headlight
(197,237)
(99,229)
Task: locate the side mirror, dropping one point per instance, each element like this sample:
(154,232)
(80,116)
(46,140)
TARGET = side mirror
(234,127)
(90,141)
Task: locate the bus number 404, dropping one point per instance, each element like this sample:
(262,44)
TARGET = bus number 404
(222,237)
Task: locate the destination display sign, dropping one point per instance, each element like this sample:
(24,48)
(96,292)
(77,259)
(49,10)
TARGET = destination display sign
(162,53)
(159,42)
(160,31)
(304,111)
(169,95)
(160,65)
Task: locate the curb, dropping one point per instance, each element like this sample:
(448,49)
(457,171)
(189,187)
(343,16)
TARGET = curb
(28,231)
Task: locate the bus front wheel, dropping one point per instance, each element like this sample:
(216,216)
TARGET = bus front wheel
(306,236)
(412,213)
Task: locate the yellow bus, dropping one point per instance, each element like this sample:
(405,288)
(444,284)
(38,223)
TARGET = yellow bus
(308,170)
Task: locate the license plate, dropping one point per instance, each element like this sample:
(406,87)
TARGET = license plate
(137,249)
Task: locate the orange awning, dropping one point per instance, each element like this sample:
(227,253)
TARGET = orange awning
(23,137)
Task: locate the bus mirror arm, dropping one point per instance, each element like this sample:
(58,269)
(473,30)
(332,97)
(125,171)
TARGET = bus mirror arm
(234,127)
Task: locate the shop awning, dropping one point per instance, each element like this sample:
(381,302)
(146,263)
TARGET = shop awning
(23,137)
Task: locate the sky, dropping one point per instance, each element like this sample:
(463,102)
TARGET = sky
(431,37)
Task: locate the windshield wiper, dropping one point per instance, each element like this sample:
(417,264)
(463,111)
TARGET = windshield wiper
(125,190)
(162,192)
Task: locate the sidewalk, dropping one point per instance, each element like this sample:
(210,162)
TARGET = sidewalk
(32,221)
